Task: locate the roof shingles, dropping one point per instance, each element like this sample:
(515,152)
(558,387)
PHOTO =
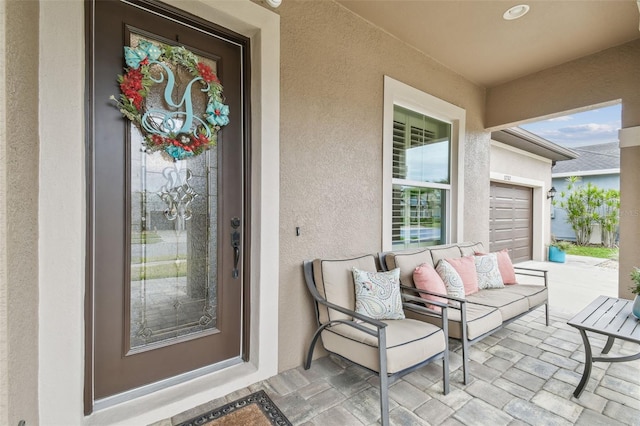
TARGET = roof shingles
(592,157)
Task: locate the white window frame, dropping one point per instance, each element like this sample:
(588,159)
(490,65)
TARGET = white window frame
(398,93)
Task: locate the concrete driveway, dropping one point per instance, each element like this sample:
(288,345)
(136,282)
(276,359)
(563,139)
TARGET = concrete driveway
(575,283)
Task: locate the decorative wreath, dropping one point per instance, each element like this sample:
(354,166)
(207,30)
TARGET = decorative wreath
(179,132)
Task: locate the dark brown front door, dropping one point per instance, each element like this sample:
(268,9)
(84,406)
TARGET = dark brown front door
(166,238)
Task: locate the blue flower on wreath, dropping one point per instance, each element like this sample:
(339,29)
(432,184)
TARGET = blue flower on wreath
(177,153)
(153,52)
(145,49)
(218,113)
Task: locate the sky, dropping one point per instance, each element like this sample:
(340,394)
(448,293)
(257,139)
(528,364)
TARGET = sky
(585,128)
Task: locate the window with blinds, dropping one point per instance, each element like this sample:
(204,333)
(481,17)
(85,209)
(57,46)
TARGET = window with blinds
(421,182)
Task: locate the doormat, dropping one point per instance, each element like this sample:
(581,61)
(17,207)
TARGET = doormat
(256,409)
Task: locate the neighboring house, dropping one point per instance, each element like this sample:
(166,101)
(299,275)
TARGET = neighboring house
(520,180)
(310,173)
(597,164)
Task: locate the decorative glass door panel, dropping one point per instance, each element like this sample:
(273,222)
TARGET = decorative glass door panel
(173,230)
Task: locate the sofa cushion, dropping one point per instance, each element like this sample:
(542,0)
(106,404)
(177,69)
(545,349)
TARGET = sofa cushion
(536,294)
(334,280)
(446,252)
(426,278)
(451,279)
(378,294)
(408,262)
(488,271)
(409,342)
(480,320)
(509,303)
(469,249)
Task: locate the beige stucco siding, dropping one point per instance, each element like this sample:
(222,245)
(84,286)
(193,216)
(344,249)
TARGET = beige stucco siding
(333,65)
(514,162)
(603,77)
(19,217)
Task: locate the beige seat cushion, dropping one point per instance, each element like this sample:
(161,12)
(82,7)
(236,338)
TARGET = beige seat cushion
(409,342)
(510,303)
(334,281)
(480,320)
(536,294)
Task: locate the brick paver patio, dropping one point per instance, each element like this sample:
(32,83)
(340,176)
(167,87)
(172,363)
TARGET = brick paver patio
(523,374)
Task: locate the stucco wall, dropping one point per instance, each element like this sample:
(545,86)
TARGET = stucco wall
(333,64)
(511,162)
(603,77)
(629,213)
(19,218)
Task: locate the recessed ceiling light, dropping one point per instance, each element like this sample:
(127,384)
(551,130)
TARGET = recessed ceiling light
(516,12)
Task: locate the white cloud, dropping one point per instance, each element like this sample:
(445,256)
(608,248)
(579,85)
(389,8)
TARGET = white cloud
(563,118)
(582,134)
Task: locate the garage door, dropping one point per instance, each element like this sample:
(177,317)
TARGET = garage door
(510,220)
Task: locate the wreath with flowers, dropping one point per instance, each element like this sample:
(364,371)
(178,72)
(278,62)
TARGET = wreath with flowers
(178,132)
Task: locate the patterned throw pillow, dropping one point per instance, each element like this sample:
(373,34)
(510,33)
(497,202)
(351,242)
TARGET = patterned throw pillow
(452,280)
(378,294)
(488,271)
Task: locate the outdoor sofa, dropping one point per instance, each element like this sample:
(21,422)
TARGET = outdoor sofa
(474,316)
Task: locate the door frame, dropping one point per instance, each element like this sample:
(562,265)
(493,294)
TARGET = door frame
(62,283)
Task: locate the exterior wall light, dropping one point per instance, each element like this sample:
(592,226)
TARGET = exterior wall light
(274,3)
(552,193)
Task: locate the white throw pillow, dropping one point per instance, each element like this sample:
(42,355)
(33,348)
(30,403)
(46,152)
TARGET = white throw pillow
(378,294)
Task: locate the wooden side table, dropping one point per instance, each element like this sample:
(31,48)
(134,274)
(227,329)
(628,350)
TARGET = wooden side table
(610,317)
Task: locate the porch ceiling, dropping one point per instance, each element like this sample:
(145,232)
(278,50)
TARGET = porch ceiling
(471,37)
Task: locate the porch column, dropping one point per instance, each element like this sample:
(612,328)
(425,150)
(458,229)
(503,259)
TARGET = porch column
(629,207)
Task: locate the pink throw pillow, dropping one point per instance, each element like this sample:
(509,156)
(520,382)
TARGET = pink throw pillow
(505,266)
(466,268)
(426,278)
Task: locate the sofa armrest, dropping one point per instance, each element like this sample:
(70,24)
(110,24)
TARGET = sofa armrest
(444,296)
(416,304)
(532,272)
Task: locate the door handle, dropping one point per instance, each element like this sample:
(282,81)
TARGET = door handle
(235,243)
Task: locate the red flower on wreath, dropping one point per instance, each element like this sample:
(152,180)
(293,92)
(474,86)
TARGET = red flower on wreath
(131,86)
(157,139)
(206,73)
(199,140)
